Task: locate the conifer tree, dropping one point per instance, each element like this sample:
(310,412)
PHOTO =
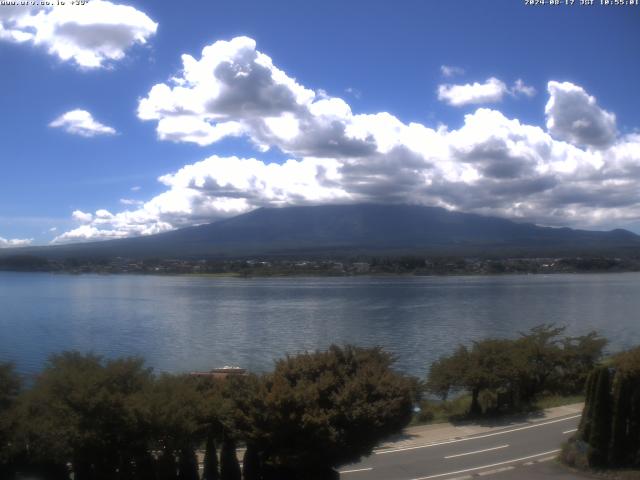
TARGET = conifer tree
(167,467)
(587,414)
(188,465)
(210,460)
(619,448)
(601,423)
(251,463)
(229,466)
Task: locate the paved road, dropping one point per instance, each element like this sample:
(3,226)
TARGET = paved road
(494,452)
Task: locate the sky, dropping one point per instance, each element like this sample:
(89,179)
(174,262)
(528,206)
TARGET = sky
(133,118)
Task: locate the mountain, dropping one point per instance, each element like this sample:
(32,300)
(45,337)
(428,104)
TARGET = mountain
(341,230)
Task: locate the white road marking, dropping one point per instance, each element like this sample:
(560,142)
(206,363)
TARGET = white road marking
(477,451)
(570,431)
(486,435)
(546,459)
(356,470)
(495,470)
(487,466)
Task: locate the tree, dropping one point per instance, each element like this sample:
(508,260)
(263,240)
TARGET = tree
(448,373)
(487,365)
(188,465)
(9,389)
(251,463)
(229,466)
(319,410)
(587,414)
(622,394)
(539,355)
(167,466)
(210,460)
(579,357)
(611,416)
(599,435)
(172,409)
(490,367)
(625,447)
(512,373)
(82,409)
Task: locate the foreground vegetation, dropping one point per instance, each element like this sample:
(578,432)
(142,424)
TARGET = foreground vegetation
(115,419)
(609,433)
(511,375)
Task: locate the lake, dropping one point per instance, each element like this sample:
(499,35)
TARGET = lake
(197,323)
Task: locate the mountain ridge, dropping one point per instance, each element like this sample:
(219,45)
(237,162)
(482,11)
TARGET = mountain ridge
(334,230)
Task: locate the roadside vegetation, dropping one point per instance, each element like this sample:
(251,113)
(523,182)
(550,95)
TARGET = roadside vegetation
(115,419)
(540,369)
(609,433)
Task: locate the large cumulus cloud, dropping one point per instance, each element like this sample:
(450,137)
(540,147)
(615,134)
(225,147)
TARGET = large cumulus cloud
(565,174)
(89,35)
(574,115)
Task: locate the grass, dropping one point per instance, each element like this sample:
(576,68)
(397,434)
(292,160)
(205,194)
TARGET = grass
(458,408)
(551,401)
(442,411)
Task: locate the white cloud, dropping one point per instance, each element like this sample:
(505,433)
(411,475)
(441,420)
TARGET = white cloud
(81,122)
(451,71)
(15,242)
(492,164)
(130,201)
(234,90)
(475,93)
(90,35)
(574,115)
(493,90)
(82,217)
(519,88)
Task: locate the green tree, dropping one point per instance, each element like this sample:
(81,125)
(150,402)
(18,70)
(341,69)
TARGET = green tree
(251,463)
(172,409)
(587,414)
(491,367)
(210,471)
(229,466)
(319,410)
(513,373)
(580,355)
(9,389)
(538,355)
(167,466)
(625,449)
(448,373)
(599,436)
(82,409)
(188,465)
(622,394)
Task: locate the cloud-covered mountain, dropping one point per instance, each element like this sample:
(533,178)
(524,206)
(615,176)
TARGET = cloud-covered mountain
(576,170)
(335,230)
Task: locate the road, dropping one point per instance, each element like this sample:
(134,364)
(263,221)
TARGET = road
(483,454)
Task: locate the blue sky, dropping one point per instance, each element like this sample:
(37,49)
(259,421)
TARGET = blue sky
(367,112)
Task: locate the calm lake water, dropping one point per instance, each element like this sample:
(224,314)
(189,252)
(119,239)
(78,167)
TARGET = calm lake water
(191,323)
